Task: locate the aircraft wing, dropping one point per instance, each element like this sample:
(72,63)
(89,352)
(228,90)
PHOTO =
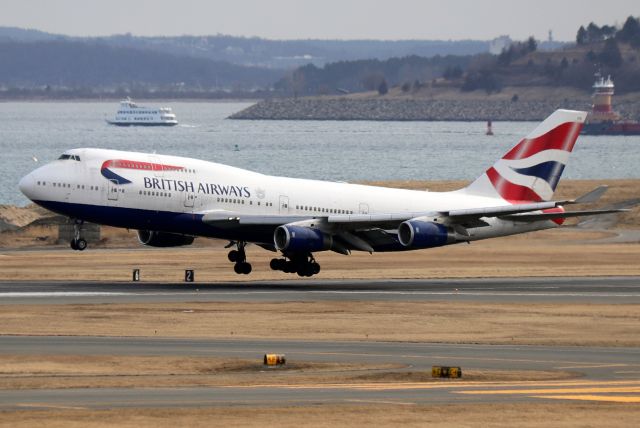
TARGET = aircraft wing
(467,217)
(365,231)
(377,220)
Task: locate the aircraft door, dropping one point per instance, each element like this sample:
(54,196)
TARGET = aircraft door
(113,190)
(284,204)
(364,208)
(189,199)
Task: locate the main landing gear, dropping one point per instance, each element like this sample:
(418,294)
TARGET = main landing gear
(239,257)
(302,264)
(78,243)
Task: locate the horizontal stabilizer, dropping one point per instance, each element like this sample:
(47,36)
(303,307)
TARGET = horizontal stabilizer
(591,196)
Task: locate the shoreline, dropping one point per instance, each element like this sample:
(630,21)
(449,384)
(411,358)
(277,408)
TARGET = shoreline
(513,104)
(405,110)
(112,100)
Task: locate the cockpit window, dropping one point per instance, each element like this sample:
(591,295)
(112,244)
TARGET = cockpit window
(65,156)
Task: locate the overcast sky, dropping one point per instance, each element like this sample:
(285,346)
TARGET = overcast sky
(324,19)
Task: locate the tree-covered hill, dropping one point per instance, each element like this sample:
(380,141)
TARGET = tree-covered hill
(62,63)
(607,50)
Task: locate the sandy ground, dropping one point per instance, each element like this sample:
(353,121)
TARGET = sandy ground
(100,371)
(350,414)
(565,252)
(450,322)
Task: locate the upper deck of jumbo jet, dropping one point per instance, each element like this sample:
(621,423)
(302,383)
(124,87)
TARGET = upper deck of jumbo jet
(96,158)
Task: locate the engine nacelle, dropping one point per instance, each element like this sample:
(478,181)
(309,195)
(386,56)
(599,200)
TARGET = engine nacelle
(423,234)
(163,239)
(301,239)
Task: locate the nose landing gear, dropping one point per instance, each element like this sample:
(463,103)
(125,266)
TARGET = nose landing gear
(239,257)
(78,243)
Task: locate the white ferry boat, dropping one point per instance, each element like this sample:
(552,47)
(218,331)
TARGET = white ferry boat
(129,114)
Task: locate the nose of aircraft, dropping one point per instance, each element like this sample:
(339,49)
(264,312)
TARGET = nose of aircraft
(26,185)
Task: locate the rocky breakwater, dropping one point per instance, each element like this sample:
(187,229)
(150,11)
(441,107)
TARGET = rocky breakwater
(400,109)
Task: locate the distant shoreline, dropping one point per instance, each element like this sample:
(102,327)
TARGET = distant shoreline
(419,109)
(116,100)
(404,110)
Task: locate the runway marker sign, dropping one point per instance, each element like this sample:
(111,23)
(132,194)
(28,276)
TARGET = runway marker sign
(274,359)
(446,372)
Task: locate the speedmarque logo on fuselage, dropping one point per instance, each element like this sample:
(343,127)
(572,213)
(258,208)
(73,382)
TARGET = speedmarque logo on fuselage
(175,185)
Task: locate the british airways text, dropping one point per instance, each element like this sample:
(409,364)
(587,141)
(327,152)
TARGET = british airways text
(190,186)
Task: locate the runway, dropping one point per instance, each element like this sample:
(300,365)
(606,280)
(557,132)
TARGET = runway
(564,289)
(600,374)
(605,374)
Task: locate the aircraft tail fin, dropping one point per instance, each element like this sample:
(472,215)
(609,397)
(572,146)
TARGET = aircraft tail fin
(530,171)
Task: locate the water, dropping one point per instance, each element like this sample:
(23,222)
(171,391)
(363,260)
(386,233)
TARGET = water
(341,151)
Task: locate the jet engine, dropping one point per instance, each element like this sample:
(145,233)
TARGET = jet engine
(301,239)
(163,239)
(423,234)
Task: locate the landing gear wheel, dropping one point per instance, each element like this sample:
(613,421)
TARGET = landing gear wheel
(239,258)
(243,268)
(303,271)
(289,267)
(78,243)
(315,268)
(301,264)
(81,244)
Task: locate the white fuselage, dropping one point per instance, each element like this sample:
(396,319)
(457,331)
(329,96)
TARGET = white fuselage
(133,190)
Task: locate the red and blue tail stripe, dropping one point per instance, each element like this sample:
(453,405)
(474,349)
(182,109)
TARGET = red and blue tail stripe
(530,171)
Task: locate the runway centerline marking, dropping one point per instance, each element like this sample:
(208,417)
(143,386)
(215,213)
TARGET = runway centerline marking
(552,391)
(65,293)
(313,292)
(402,403)
(607,398)
(591,366)
(525,388)
(595,391)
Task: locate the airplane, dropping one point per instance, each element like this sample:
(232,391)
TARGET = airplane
(172,200)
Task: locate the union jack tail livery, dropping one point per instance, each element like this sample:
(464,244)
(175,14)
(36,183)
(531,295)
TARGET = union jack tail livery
(530,171)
